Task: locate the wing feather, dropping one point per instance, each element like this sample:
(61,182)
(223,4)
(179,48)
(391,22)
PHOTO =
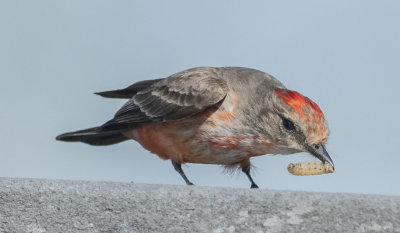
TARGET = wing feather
(180,95)
(128,92)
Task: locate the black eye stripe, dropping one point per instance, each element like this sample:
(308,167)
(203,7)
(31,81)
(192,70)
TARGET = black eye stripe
(288,124)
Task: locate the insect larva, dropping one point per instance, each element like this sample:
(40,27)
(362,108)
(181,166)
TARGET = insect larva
(310,168)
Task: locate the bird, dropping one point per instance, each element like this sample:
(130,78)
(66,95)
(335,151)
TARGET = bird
(213,115)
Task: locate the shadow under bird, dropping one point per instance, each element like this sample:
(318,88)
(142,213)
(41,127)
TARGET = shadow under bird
(213,115)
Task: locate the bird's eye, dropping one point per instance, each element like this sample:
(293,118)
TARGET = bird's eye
(288,124)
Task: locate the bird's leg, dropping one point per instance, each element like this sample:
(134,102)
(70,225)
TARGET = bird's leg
(246,170)
(178,168)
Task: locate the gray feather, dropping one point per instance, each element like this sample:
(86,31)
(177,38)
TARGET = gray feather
(128,92)
(178,96)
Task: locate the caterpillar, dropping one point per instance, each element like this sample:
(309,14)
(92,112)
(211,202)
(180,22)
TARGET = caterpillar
(310,168)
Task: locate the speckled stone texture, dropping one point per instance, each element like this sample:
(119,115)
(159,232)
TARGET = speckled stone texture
(32,205)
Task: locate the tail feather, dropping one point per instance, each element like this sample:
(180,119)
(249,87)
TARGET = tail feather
(94,136)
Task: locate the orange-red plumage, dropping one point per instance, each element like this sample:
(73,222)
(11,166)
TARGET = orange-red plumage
(298,102)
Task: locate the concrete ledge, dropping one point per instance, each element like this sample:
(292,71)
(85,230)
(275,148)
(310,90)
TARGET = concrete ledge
(31,205)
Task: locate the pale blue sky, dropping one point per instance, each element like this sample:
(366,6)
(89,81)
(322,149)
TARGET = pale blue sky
(345,55)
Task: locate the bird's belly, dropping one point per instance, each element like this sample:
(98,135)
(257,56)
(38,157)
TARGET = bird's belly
(199,142)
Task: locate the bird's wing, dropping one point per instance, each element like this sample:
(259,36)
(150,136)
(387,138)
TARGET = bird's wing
(181,95)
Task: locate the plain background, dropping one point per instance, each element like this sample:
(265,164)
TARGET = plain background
(54,54)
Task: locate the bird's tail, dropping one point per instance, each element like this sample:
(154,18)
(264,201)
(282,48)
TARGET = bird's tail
(96,136)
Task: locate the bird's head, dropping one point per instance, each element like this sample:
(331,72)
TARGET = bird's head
(299,124)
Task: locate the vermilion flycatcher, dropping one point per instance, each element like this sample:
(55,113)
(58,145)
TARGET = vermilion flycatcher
(213,116)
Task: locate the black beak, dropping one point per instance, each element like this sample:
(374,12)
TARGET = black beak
(320,153)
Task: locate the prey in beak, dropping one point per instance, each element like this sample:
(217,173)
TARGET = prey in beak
(320,153)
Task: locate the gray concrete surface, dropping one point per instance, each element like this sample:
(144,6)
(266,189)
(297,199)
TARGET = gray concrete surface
(32,205)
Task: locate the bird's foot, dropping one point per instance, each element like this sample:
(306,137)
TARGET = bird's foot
(254,186)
